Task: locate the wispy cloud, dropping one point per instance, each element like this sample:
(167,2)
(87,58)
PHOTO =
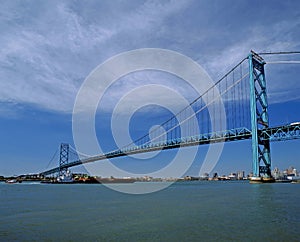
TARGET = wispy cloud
(44,59)
(48,48)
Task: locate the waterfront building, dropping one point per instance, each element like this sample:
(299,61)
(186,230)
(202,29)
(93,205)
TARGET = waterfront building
(205,176)
(240,175)
(277,174)
(295,172)
(215,176)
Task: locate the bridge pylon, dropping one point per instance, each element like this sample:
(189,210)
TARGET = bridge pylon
(259,116)
(63,158)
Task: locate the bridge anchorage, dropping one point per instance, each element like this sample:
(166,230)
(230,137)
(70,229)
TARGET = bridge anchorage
(246,106)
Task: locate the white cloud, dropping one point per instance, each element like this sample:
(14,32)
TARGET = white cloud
(131,82)
(50,47)
(43,62)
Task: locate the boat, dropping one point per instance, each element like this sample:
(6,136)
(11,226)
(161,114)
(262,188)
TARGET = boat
(232,177)
(13,181)
(68,178)
(268,179)
(293,178)
(283,180)
(258,179)
(255,179)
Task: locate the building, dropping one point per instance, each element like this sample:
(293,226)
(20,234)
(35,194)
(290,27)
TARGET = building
(240,175)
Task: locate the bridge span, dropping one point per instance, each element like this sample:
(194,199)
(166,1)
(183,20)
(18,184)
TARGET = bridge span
(278,133)
(243,95)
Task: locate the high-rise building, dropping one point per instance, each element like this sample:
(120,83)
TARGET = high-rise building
(240,175)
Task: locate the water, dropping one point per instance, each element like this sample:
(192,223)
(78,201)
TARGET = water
(194,211)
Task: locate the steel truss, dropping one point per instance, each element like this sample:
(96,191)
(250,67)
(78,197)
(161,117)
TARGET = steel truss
(63,158)
(259,116)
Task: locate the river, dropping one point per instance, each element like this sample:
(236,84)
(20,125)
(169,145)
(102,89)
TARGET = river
(194,211)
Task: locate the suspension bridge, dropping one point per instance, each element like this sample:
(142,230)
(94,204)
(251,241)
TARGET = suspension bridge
(241,94)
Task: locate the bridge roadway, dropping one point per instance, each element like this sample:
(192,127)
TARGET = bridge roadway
(278,133)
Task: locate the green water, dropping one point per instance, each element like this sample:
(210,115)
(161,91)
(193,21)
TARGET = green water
(187,211)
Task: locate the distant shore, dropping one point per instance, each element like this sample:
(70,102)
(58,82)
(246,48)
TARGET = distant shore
(99,180)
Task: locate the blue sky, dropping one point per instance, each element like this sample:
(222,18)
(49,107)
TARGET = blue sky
(48,48)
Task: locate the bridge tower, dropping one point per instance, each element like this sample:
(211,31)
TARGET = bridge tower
(63,158)
(259,117)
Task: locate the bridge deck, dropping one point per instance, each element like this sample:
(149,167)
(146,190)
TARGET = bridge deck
(278,133)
